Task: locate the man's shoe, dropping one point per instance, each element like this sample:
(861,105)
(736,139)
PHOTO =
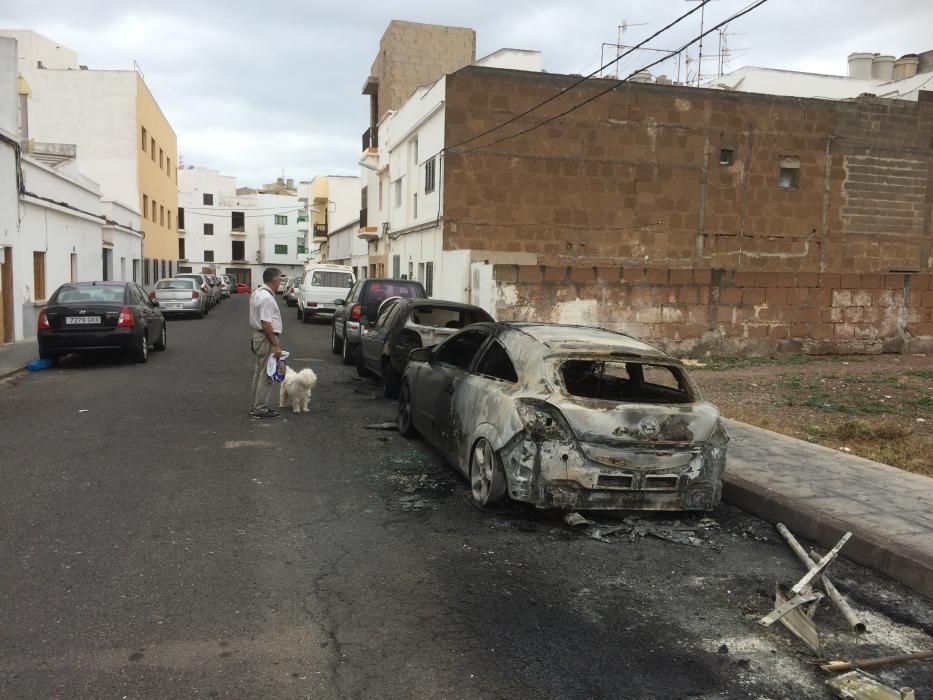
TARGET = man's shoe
(268,413)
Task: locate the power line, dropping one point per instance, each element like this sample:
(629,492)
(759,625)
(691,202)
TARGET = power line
(284,206)
(245,216)
(583,79)
(734,17)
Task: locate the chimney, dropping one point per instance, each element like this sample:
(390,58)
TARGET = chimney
(860,65)
(906,67)
(280,181)
(882,67)
(290,183)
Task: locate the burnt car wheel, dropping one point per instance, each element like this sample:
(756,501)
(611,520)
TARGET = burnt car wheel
(487,479)
(390,379)
(406,426)
(335,344)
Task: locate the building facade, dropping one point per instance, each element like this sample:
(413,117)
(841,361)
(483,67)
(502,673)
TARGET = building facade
(241,231)
(123,141)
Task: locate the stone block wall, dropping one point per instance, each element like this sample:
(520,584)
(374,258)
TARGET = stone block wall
(692,312)
(672,176)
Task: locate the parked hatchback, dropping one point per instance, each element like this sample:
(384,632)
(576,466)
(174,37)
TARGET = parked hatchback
(566,417)
(361,309)
(204,285)
(180,297)
(93,316)
(406,324)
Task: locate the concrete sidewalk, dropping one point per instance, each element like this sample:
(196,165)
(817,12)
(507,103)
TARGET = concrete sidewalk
(15,356)
(820,493)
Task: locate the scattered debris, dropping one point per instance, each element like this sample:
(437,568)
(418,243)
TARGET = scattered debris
(859,685)
(801,623)
(784,604)
(805,583)
(383,426)
(83,410)
(575,520)
(415,503)
(810,561)
(679,534)
(880,661)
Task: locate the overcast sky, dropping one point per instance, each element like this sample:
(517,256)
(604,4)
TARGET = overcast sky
(254,88)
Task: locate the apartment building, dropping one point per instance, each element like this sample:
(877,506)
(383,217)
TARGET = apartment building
(223,228)
(122,139)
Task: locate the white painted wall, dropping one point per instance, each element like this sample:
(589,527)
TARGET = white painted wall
(126,244)
(344,196)
(513,59)
(96,111)
(34,47)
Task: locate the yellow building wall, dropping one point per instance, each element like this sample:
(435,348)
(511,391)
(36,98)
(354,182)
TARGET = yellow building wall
(157,177)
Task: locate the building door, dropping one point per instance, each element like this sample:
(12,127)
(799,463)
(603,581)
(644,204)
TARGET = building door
(107,259)
(6,294)
(241,274)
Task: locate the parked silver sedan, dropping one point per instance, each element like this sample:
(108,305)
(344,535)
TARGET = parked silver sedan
(566,417)
(180,296)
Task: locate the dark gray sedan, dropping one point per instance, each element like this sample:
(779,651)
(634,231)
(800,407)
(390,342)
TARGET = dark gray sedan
(566,417)
(406,324)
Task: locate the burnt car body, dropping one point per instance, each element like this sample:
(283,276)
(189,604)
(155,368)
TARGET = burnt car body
(566,417)
(406,324)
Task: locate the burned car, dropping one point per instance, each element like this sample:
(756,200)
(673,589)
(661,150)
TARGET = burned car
(566,417)
(406,324)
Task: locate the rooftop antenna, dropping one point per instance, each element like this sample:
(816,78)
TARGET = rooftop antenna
(622,29)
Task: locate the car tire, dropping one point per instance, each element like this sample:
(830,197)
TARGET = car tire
(487,480)
(361,365)
(405,418)
(141,351)
(162,343)
(391,380)
(335,345)
(349,352)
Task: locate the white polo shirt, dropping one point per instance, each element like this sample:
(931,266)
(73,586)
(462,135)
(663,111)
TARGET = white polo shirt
(264,307)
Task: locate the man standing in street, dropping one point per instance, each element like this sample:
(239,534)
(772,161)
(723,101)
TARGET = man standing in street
(265,321)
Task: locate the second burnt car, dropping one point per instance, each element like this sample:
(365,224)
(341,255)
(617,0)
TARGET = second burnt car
(406,324)
(566,417)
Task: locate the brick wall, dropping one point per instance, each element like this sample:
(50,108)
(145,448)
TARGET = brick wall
(635,178)
(728,312)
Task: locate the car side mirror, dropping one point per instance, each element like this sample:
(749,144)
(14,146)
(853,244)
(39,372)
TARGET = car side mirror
(420,355)
(338,302)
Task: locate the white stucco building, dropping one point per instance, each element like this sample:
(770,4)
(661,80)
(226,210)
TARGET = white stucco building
(241,231)
(876,74)
(54,226)
(403,179)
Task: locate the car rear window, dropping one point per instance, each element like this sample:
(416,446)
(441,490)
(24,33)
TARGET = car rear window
(175,284)
(633,382)
(331,278)
(69,294)
(380,291)
(440,317)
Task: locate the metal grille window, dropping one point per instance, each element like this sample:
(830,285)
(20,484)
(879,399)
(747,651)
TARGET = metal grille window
(429,278)
(181,249)
(208,256)
(181,218)
(396,266)
(281,249)
(281,219)
(208,229)
(208,199)
(238,250)
(429,175)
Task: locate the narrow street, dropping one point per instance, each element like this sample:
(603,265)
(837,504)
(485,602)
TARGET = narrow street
(157,542)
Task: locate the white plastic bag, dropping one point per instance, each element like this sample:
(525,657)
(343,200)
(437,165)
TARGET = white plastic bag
(275,367)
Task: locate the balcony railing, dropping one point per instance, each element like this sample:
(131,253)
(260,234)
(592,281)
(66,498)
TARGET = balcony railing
(320,230)
(371,138)
(364,218)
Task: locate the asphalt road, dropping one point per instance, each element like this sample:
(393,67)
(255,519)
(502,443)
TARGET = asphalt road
(157,542)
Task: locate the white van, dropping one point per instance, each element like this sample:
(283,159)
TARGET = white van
(320,286)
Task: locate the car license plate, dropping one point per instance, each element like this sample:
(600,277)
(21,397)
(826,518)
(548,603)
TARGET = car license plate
(81,320)
(169,306)
(326,306)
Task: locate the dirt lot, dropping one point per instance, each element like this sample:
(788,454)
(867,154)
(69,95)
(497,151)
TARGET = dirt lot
(878,406)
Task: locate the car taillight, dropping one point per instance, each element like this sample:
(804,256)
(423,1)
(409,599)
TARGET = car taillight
(356,312)
(204,288)
(195,294)
(543,420)
(152,295)
(43,320)
(126,320)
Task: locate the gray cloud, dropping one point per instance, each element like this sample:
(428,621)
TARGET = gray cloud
(252,88)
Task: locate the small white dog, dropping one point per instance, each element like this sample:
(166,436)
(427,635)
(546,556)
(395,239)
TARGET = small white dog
(297,387)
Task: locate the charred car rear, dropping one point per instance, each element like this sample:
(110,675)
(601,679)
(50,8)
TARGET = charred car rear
(566,417)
